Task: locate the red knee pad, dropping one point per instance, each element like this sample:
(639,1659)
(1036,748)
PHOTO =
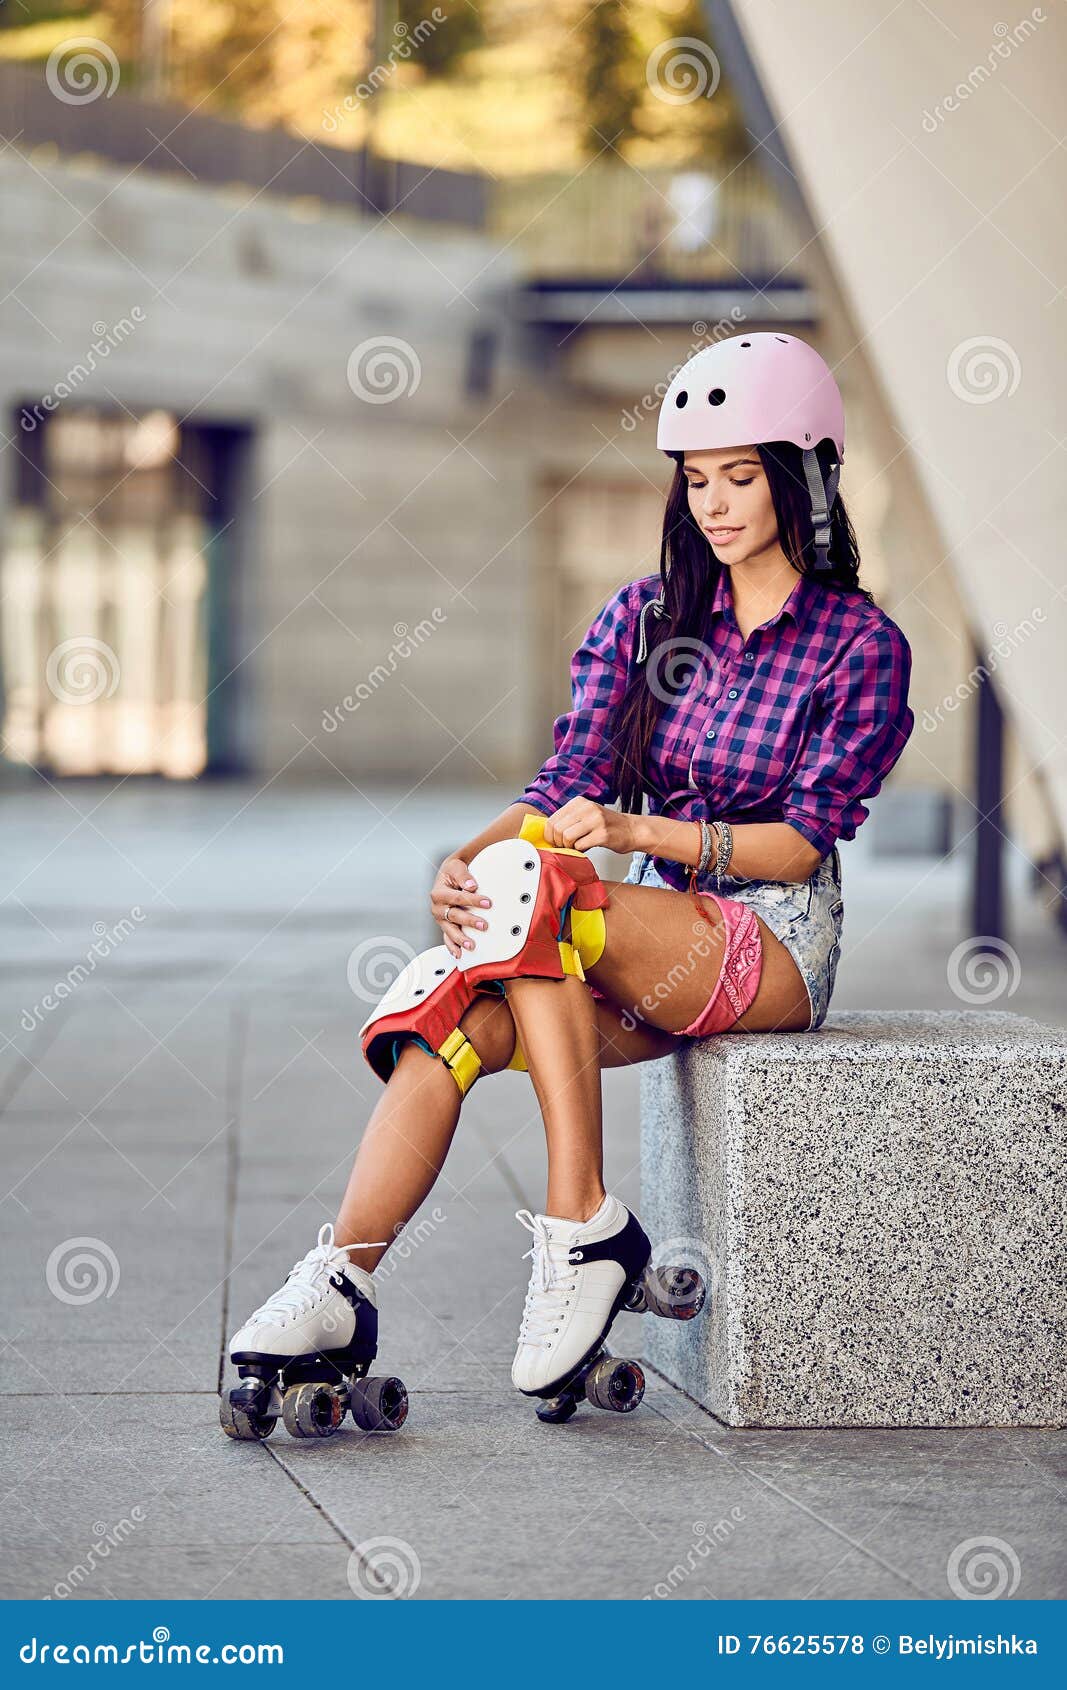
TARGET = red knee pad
(425,1002)
(532,888)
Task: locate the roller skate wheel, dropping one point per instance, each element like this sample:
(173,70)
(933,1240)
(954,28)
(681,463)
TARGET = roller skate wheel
(379,1405)
(314,1410)
(246,1427)
(614,1384)
(673,1293)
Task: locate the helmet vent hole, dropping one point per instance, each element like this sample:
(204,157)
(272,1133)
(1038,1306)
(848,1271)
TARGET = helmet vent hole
(682,400)
(716,396)
(782,338)
(746,343)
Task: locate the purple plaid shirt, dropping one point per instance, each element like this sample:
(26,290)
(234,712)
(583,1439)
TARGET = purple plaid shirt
(799,723)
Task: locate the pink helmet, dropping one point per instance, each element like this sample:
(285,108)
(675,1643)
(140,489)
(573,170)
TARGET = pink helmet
(750,390)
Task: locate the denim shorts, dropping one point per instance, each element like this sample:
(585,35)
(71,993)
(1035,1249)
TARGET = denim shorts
(806,915)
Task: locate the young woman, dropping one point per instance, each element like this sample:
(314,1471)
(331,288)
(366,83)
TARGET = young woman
(756,696)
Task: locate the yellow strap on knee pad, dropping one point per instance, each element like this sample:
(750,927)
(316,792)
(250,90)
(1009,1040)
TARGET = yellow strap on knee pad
(588,935)
(533,831)
(461,1059)
(586,944)
(588,930)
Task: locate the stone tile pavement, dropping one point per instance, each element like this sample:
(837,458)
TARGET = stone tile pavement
(189,1104)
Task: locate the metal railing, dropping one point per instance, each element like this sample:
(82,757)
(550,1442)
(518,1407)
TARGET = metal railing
(609,221)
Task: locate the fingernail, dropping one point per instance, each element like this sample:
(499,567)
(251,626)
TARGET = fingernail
(483,924)
(485,903)
(470,885)
(468,944)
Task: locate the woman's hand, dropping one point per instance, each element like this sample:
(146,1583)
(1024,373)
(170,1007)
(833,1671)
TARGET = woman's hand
(582,824)
(455,902)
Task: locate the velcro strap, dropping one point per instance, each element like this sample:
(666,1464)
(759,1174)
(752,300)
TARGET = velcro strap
(570,960)
(461,1060)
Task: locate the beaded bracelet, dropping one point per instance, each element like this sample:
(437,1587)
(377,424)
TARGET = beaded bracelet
(706,848)
(722,854)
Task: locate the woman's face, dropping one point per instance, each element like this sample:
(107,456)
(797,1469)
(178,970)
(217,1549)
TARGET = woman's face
(730,498)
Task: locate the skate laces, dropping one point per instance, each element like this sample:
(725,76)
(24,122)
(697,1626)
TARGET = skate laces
(307,1280)
(552,1279)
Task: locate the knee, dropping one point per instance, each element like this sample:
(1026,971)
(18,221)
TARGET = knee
(490,1029)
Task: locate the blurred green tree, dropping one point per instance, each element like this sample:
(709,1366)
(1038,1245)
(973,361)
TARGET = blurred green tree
(605,67)
(442,51)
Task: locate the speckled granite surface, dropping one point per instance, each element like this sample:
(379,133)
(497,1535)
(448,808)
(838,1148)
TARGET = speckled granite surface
(881,1207)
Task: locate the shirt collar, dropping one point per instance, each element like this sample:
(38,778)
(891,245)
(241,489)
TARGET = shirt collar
(795,606)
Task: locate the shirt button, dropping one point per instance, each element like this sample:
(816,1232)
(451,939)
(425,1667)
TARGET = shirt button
(711,735)
(748,657)
(732,693)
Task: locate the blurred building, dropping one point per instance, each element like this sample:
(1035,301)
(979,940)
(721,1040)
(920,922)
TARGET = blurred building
(319,468)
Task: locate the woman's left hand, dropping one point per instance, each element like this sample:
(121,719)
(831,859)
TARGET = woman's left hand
(581,824)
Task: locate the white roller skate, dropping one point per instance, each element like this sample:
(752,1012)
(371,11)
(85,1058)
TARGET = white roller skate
(305,1354)
(583,1273)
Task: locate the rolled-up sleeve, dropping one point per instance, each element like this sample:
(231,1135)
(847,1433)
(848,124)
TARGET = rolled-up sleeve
(862,725)
(580,766)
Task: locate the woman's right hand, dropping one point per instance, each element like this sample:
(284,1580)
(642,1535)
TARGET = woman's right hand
(455,903)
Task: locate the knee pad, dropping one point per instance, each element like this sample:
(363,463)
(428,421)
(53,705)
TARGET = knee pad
(584,902)
(534,887)
(426,1003)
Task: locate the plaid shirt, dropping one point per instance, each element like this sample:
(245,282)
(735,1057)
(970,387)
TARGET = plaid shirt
(799,723)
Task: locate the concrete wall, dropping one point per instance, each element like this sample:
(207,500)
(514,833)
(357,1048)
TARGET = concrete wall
(360,517)
(486,527)
(926,149)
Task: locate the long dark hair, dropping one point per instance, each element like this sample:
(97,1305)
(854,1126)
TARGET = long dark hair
(689,572)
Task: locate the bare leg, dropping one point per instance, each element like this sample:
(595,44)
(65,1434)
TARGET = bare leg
(400,1155)
(652,964)
(557,1027)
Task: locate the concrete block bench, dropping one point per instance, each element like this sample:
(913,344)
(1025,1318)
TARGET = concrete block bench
(879,1207)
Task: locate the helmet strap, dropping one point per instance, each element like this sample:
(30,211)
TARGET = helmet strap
(822,495)
(658,609)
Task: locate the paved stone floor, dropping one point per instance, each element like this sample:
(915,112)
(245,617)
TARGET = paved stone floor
(189,1107)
